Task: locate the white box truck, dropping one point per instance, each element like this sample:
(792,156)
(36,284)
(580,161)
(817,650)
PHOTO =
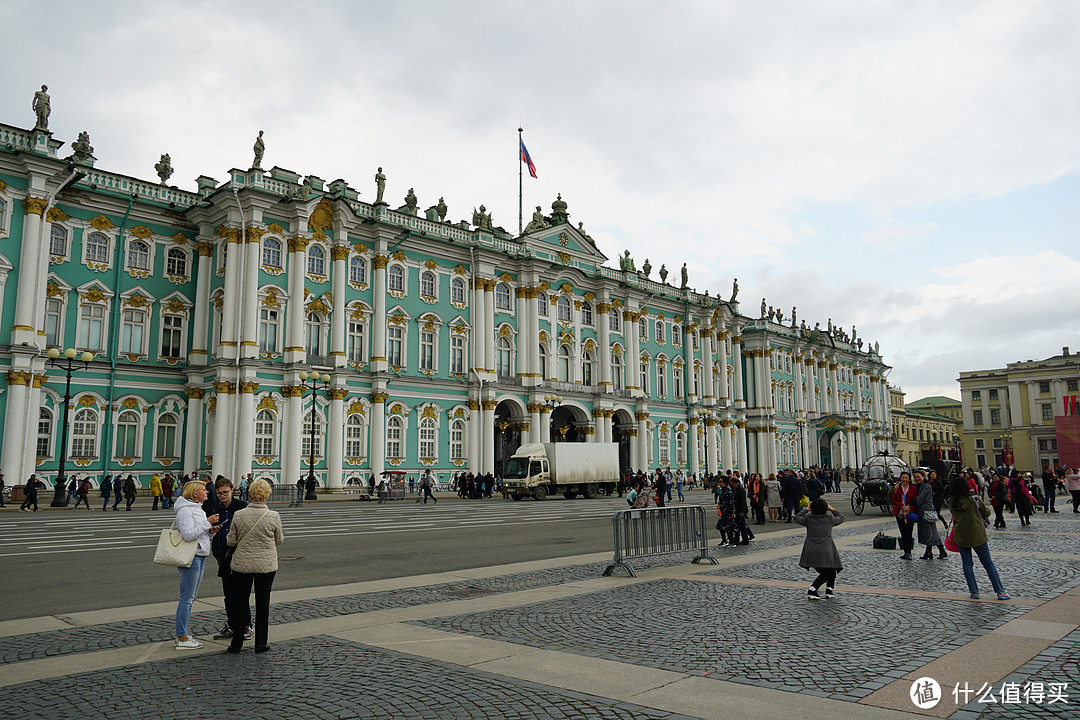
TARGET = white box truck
(541,469)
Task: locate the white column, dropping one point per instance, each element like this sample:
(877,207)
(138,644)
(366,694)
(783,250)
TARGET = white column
(536,423)
(335,456)
(823,389)
(636,461)
(223,434)
(201,316)
(723,390)
(377,434)
(834,389)
(234,261)
(193,429)
(643,437)
(249,298)
(16,395)
(534,337)
(691,440)
(710,445)
(488,425)
(738,390)
(633,361)
(489,338)
(339,254)
(707,394)
(524,337)
(378,323)
(740,440)
(245,446)
(603,329)
(726,462)
(294,323)
(23,332)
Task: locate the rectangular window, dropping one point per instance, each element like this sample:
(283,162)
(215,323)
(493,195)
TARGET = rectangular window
(993,394)
(457,441)
(125,440)
(268,330)
(615,321)
(1070,385)
(427,440)
(457,354)
(54,311)
(91,328)
(976,395)
(1047,412)
(57,240)
(980,444)
(44,437)
(356,341)
(166,441)
(661,382)
(427,351)
(1044,388)
(977,417)
(995,416)
(395,337)
(172,331)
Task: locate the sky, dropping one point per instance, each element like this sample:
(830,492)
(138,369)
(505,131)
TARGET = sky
(908,168)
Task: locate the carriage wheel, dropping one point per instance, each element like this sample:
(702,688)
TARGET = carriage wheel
(857,500)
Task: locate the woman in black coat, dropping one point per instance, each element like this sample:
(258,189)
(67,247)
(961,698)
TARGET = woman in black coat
(819,551)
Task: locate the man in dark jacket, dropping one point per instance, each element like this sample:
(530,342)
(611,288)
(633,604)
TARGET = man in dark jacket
(741,508)
(225,506)
(1049,483)
(661,487)
(815,488)
(790,493)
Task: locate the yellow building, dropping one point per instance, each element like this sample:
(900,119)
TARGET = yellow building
(926,429)
(1009,412)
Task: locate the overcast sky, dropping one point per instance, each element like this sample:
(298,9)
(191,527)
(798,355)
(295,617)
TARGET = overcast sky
(910,168)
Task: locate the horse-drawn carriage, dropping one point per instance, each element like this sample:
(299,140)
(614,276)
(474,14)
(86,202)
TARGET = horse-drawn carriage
(879,474)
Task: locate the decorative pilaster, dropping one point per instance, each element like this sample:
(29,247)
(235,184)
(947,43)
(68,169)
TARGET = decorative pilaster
(339,256)
(23,331)
(16,396)
(642,437)
(603,323)
(234,261)
(488,425)
(202,314)
(193,428)
(475,439)
(335,451)
(489,340)
(708,397)
(535,424)
(377,436)
(224,426)
(249,330)
(738,390)
(725,444)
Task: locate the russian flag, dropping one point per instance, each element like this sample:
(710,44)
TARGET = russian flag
(526,159)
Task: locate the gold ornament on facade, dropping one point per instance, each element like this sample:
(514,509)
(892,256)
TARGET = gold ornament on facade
(397,319)
(52,289)
(379,262)
(473,404)
(355,408)
(641,415)
(275,228)
(18,377)
(100,222)
(40,380)
(379,397)
(137,300)
(249,388)
(292,391)
(254,234)
(204,249)
(339,252)
(337,393)
(322,217)
(271,299)
(175,306)
(194,393)
(603,308)
(34,205)
(93,295)
(298,243)
(142,232)
(129,403)
(224,388)
(56,215)
(317,306)
(460,270)
(429,323)
(399,256)
(488,404)
(564,258)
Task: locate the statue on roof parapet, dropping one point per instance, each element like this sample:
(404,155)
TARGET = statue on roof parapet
(42,107)
(663,273)
(410,201)
(164,168)
(482,219)
(538,222)
(380,186)
(626,263)
(646,268)
(793,316)
(441,209)
(684,277)
(763,308)
(734,290)
(259,148)
(84,151)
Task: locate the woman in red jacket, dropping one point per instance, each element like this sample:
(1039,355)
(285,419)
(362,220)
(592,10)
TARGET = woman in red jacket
(903,502)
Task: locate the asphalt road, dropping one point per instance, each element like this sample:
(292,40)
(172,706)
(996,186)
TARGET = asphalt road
(59,561)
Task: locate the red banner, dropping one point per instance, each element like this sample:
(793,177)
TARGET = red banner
(1068,440)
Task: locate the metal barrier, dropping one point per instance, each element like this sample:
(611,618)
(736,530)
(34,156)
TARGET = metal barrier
(281,492)
(659,531)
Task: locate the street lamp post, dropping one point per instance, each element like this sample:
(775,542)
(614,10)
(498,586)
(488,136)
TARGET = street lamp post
(312,382)
(69,364)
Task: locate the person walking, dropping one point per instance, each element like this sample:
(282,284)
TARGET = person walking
(106,491)
(928,518)
(680,480)
(819,552)
(72,490)
(425,486)
(155,489)
(256,533)
(1022,499)
(1049,483)
(756,491)
(791,492)
(772,497)
(999,496)
(117,491)
(660,484)
(725,507)
(193,525)
(1072,481)
(82,495)
(130,491)
(903,502)
(741,510)
(30,491)
(166,491)
(225,505)
(970,517)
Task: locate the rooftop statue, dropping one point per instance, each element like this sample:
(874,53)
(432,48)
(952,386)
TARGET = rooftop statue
(410,200)
(779,315)
(260,146)
(854,334)
(302,192)
(41,107)
(663,273)
(646,268)
(793,316)
(830,326)
(164,168)
(860,343)
(482,219)
(84,151)
(626,263)
(763,308)
(684,279)
(734,290)
(538,222)
(380,186)
(440,208)
(584,234)
(771,313)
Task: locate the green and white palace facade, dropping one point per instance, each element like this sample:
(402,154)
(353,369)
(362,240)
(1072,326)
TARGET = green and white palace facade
(447,344)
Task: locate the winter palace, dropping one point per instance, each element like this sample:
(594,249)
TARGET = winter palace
(445,345)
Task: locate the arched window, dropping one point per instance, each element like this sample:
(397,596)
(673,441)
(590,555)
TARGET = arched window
(355,445)
(661,381)
(84,432)
(643,375)
(264,434)
(542,304)
(697,381)
(357,331)
(457,440)
(563,309)
(564,363)
(616,371)
(676,334)
(394,447)
(664,442)
(543,361)
(316,260)
(167,425)
(127,434)
(587,367)
(615,321)
(677,381)
(643,329)
(176,262)
(358,270)
(696,339)
(427,439)
(503,361)
(57,238)
(313,326)
(680,448)
(271,252)
(457,291)
(96,247)
(659,331)
(44,432)
(586,313)
(427,284)
(502,296)
(138,255)
(395,278)
(319,424)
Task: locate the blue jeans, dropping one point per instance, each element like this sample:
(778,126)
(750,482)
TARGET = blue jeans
(190,578)
(983,551)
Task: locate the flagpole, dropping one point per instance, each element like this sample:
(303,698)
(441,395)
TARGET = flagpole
(519,181)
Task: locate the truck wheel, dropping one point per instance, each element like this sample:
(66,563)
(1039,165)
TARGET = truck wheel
(540,492)
(516,497)
(569,495)
(591,491)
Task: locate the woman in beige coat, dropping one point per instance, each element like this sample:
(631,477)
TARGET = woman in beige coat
(255,532)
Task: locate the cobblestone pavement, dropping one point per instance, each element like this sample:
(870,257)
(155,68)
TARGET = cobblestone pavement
(1060,663)
(884,569)
(764,636)
(364,683)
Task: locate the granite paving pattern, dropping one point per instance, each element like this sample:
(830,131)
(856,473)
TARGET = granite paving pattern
(366,683)
(764,636)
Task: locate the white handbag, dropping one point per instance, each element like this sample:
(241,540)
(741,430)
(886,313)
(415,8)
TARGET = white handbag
(173,550)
